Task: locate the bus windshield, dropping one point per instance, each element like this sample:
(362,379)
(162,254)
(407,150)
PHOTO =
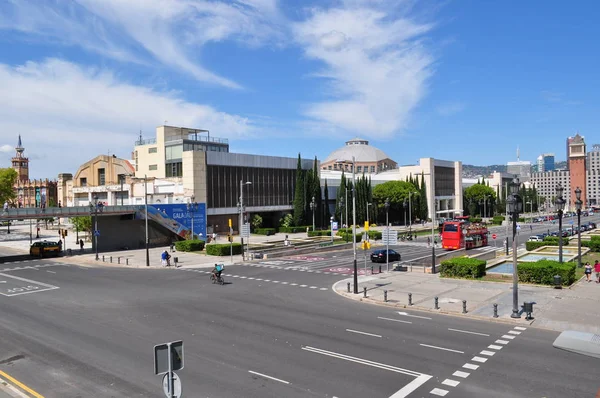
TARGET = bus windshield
(450,228)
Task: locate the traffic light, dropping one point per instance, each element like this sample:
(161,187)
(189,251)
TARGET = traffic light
(65,233)
(230,238)
(230,223)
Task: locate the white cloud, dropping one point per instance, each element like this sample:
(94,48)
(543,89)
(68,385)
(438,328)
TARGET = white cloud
(375,65)
(170,31)
(7,148)
(71,114)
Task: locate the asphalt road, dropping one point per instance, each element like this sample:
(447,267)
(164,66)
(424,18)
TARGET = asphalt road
(274,330)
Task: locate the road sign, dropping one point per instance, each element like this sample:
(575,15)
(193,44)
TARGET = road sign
(334,225)
(246,230)
(176,386)
(494,236)
(389,237)
(161,357)
(96,233)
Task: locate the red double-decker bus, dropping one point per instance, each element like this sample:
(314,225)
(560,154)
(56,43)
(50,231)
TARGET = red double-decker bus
(461,234)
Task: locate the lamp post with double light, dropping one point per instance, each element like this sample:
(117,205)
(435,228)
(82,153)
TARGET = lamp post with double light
(410,213)
(514,206)
(313,206)
(331,227)
(192,207)
(387,228)
(354,224)
(94,209)
(342,204)
(405,205)
(559,204)
(578,204)
(241,208)
(368,222)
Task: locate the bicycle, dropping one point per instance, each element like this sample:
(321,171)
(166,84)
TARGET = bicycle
(217,279)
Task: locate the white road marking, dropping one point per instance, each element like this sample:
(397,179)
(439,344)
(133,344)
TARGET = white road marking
(520,328)
(293,284)
(33,268)
(450,382)
(250,277)
(466,331)
(410,387)
(506,336)
(243,277)
(458,373)
(412,316)
(394,320)
(303,285)
(441,348)
(439,391)
(313,287)
(52,272)
(470,366)
(495,347)
(323,288)
(365,333)
(504,342)
(259,279)
(267,280)
(275,281)
(514,332)
(268,377)
(479,359)
(488,353)
(284,283)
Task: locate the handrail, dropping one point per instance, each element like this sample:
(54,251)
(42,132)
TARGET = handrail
(38,212)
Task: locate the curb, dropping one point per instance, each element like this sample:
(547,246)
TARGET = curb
(442,312)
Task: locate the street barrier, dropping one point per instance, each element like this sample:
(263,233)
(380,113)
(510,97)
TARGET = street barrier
(364,292)
(464,307)
(385,296)
(495,310)
(435,303)
(410,299)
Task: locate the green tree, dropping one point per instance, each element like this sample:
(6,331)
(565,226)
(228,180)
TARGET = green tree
(474,197)
(8,177)
(341,197)
(82,224)
(326,214)
(257,221)
(423,205)
(299,206)
(286,221)
(397,192)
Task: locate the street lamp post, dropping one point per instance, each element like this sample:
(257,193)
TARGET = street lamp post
(342,204)
(409,213)
(331,227)
(146,222)
(514,205)
(313,206)
(387,228)
(485,197)
(192,207)
(404,205)
(578,204)
(559,202)
(368,222)
(354,225)
(242,183)
(94,207)
(435,203)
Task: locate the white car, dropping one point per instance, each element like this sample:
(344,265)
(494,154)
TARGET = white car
(535,238)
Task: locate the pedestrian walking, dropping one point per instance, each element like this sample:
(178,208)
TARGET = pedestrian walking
(81,244)
(428,241)
(6,207)
(214,236)
(165,257)
(588,272)
(597,270)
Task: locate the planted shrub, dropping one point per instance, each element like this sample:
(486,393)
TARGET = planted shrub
(593,244)
(462,267)
(543,271)
(534,245)
(497,219)
(319,233)
(374,235)
(223,249)
(265,231)
(293,230)
(348,236)
(189,245)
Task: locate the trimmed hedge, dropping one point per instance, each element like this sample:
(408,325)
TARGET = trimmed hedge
(319,233)
(265,231)
(497,219)
(348,236)
(374,235)
(293,230)
(593,244)
(530,246)
(190,245)
(462,267)
(553,240)
(475,219)
(223,249)
(543,271)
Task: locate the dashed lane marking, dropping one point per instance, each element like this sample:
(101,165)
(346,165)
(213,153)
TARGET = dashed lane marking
(520,328)
(393,320)
(458,373)
(506,336)
(503,342)
(470,366)
(488,353)
(442,348)
(479,359)
(469,332)
(439,392)
(495,347)
(450,382)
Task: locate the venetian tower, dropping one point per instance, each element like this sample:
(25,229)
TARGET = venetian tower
(20,163)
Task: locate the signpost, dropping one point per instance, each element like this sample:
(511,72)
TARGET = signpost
(246,234)
(168,358)
(230,237)
(494,238)
(389,237)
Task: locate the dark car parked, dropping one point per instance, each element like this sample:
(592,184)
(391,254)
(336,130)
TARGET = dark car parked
(379,256)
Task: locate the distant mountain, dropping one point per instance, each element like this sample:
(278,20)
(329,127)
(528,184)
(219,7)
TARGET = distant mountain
(470,171)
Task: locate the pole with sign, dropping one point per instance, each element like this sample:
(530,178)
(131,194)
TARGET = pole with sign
(168,358)
(230,242)
(494,236)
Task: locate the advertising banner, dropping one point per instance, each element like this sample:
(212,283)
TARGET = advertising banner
(175,216)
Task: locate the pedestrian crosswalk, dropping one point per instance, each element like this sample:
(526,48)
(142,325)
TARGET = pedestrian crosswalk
(251,278)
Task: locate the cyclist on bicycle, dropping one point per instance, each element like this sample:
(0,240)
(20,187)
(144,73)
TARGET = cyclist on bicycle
(217,271)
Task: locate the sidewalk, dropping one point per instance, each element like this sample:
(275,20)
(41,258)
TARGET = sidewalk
(574,308)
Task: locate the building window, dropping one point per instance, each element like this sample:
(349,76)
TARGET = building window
(83,182)
(358,169)
(152,149)
(174,169)
(153,167)
(101,177)
(372,169)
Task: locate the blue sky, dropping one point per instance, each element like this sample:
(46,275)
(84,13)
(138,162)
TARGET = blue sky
(457,80)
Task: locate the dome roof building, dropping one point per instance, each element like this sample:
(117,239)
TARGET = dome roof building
(368,159)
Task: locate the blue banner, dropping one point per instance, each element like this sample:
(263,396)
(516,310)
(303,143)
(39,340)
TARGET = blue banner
(179,212)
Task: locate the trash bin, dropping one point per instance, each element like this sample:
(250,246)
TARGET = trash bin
(176,259)
(528,309)
(69,252)
(557,282)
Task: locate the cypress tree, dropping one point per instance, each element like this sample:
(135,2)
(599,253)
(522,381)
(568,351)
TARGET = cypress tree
(326,214)
(299,195)
(423,201)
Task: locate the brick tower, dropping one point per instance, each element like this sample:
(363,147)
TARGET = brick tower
(20,163)
(576,157)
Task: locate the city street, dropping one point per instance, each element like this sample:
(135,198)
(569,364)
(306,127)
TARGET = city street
(274,329)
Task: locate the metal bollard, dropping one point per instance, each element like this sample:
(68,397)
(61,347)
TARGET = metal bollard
(435,302)
(495,310)
(385,296)
(409,298)
(464,306)
(380,269)
(102,258)
(110,259)
(126,261)
(364,292)
(118,260)
(371,270)
(348,287)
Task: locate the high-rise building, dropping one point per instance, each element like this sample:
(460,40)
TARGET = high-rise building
(593,175)
(520,168)
(545,162)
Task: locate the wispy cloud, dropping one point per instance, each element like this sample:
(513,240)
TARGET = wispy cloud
(552,96)
(7,148)
(74,113)
(170,31)
(375,65)
(450,108)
